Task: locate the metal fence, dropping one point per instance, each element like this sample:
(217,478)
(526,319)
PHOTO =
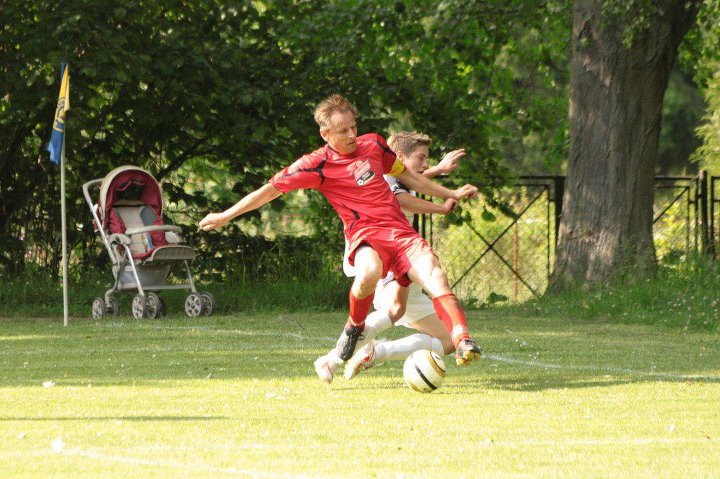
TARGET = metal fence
(491,256)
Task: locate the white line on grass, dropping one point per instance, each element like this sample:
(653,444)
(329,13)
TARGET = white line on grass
(600,442)
(605,369)
(178,465)
(173,348)
(240,332)
(301,337)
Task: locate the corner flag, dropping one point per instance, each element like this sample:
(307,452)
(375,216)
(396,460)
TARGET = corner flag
(56,147)
(58,130)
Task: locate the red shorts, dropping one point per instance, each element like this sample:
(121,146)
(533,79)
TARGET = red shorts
(397,249)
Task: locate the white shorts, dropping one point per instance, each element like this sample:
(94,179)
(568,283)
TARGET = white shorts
(418,306)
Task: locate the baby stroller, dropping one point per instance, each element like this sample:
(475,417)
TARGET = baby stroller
(128,215)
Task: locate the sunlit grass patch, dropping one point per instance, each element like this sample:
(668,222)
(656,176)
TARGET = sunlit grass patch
(236,396)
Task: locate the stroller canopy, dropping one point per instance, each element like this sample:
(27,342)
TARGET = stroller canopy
(129,185)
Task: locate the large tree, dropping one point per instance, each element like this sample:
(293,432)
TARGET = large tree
(622,57)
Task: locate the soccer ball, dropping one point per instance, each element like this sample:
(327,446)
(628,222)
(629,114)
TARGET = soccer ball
(424,371)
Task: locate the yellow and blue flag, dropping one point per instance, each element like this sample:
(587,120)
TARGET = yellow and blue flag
(63,105)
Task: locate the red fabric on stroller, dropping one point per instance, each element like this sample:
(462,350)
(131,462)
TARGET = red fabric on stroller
(138,186)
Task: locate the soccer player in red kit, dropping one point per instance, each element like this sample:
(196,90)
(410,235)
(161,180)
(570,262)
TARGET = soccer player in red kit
(349,171)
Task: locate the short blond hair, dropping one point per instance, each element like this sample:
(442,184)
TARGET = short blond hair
(405,142)
(332,104)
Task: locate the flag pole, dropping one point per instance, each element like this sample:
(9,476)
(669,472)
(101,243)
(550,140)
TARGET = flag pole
(63,217)
(57,145)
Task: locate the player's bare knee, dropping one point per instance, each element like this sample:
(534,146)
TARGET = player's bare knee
(437,279)
(448,345)
(365,282)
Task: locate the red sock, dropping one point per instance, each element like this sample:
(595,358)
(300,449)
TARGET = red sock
(452,316)
(359,310)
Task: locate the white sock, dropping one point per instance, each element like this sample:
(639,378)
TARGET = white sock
(375,323)
(404,347)
(333,358)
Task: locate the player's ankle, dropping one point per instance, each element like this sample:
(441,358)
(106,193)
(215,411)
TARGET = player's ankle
(355,324)
(460,338)
(334,358)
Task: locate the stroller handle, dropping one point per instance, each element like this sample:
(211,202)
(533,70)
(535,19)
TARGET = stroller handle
(150,229)
(98,223)
(86,188)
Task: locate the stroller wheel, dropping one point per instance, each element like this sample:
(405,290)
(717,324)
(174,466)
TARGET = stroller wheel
(154,305)
(112,306)
(209,302)
(139,307)
(98,308)
(194,305)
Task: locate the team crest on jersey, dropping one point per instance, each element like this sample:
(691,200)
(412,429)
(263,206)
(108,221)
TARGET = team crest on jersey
(363,172)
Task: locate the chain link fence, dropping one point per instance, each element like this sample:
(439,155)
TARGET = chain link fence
(677,218)
(506,253)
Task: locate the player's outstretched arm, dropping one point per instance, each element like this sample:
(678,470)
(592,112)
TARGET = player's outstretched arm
(413,204)
(252,201)
(426,186)
(448,164)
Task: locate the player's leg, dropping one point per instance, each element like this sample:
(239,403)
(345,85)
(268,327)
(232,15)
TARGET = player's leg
(420,315)
(392,299)
(435,336)
(426,271)
(369,268)
(397,350)
(375,323)
(380,319)
(432,326)
(326,365)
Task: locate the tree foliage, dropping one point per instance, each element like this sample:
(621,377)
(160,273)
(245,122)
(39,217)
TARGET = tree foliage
(709,151)
(215,96)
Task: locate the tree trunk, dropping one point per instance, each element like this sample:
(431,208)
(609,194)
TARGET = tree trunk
(616,98)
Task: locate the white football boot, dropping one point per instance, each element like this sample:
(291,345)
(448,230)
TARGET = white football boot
(326,365)
(362,360)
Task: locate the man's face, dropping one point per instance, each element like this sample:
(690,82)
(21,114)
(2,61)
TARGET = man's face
(342,135)
(417,160)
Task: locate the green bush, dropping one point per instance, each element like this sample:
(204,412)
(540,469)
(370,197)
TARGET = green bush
(246,273)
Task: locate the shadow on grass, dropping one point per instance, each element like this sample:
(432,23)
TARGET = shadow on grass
(536,384)
(542,382)
(360,385)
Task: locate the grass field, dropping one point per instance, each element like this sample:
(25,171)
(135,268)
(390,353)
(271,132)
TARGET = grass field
(236,396)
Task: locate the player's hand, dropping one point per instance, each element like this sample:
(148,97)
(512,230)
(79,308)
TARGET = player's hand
(450,161)
(465,192)
(449,205)
(213,221)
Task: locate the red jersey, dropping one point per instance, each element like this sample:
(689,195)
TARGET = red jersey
(352,183)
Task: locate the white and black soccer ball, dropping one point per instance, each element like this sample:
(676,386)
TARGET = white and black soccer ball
(424,371)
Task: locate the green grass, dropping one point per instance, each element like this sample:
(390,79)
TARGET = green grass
(681,297)
(236,396)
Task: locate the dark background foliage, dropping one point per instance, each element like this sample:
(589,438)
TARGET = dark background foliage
(213,97)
